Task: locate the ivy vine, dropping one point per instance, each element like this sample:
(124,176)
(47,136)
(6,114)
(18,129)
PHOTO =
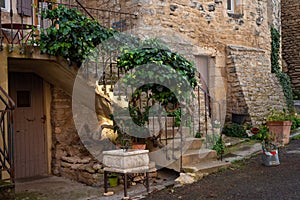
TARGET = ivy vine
(275,48)
(283,78)
(152,52)
(72,35)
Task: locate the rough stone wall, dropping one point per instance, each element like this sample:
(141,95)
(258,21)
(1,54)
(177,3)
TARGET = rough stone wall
(274,14)
(291,40)
(207,22)
(252,89)
(70,158)
(205,27)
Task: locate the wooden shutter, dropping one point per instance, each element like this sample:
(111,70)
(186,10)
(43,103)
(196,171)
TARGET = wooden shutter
(24,7)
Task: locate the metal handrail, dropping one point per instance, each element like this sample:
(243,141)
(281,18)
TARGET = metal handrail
(85,10)
(10,104)
(6,134)
(112,16)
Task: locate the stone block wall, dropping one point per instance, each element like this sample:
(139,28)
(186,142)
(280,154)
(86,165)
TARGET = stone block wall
(69,157)
(207,22)
(195,28)
(252,88)
(291,40)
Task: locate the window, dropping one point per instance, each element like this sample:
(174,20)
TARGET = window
(230,5)
(23,99)
(235,8)
(24,7)
(4,4)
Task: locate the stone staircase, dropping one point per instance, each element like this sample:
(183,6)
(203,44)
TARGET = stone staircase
(196,158)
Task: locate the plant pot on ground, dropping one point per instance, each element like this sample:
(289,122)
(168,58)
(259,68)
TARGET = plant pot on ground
(279,124)
(113,180)
(270,154)
(280,131)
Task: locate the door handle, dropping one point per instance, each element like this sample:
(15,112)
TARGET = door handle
(30,120)
(43,119)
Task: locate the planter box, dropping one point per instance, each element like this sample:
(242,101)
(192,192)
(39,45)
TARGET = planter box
(280,131)
(123,160)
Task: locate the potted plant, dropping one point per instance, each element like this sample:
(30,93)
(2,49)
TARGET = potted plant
(269,147)
(279,124)
(113,180)
(270,152)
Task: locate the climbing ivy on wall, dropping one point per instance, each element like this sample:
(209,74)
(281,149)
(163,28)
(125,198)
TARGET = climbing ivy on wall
(275,44)
(283,78)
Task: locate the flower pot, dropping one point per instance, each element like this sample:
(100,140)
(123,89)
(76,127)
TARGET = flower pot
(270,154)
(113,180)
(254,130)
(270,158)
(280,131)
(138,146)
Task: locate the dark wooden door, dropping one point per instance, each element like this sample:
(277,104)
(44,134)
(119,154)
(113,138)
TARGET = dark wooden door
(29,139)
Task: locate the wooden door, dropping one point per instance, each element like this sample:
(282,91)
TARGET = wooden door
(26,89)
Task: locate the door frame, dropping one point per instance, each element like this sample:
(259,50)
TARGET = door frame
(47,97)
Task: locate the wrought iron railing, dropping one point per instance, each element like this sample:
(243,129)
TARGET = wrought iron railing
(6,142)
(17,29)
(205,118)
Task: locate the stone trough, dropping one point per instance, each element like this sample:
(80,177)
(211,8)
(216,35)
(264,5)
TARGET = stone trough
(130,161)
(126,162)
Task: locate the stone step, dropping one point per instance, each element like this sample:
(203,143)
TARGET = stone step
(206,167)
(193,157)
(189,143)
(197,156)
(174,133)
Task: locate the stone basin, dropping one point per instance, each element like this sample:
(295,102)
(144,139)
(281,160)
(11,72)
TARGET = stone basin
(130,159)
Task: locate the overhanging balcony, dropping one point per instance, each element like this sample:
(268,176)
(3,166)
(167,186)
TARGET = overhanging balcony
(16,22)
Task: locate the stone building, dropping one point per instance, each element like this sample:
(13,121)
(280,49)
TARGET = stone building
(290,41)
(229,42)
(235,40)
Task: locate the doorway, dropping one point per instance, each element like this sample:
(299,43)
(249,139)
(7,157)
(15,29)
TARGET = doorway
(30,159)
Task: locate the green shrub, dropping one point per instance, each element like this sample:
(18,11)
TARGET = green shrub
(296,122)
(262,134)
(297,137)
(234,130)
(219,146)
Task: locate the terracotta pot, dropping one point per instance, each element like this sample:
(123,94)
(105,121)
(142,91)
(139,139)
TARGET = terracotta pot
(254,130)
(138,146)
(280,131)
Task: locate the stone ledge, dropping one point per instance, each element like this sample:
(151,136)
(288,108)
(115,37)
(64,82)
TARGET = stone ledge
(243,48)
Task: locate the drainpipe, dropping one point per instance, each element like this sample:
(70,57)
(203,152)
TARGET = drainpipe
(11,27)
(1,36)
